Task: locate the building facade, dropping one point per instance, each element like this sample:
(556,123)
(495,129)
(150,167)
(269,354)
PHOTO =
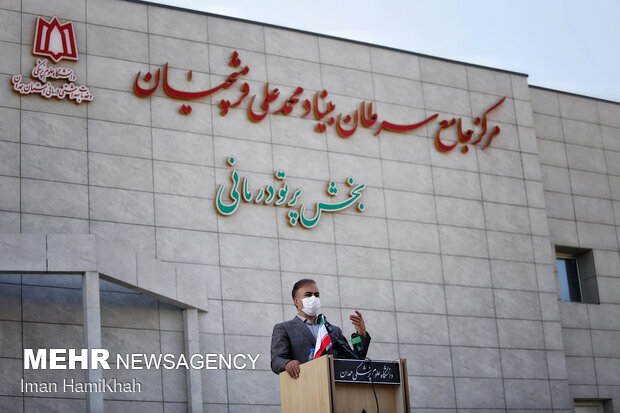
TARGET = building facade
(183,170)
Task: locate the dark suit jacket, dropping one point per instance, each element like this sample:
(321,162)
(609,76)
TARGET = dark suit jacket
(292,340)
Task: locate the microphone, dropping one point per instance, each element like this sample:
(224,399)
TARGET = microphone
(335,338)
(358,346)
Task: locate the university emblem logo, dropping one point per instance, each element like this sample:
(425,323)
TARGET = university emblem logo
(54,40)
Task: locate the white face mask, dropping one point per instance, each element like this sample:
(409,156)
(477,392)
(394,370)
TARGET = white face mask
(311,305)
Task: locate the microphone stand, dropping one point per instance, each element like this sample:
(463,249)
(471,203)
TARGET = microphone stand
(334,337)
(345,345)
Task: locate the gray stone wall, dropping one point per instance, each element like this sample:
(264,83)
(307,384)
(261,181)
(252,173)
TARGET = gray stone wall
(579,141)
(45,311)
(451,262)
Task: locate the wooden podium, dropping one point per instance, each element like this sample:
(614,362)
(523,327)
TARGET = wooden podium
(328,385)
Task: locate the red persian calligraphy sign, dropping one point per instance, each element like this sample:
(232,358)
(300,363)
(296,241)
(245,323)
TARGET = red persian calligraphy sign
(346,124)
(55,41)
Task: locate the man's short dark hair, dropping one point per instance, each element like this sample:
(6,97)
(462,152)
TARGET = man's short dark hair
(301,283)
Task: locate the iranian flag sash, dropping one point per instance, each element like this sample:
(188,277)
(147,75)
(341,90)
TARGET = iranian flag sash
(323,342)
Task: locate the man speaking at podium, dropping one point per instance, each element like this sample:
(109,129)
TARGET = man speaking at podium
(295,341)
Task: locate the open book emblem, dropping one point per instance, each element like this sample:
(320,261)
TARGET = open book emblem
(54,40)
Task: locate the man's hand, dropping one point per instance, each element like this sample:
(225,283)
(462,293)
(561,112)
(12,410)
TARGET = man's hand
(358,322)
(292,368)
